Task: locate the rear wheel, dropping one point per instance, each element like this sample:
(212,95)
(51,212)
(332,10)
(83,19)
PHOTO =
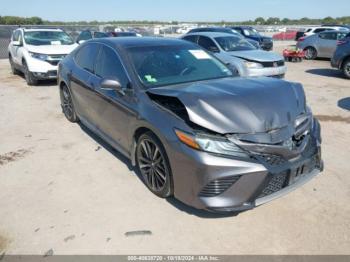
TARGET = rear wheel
(30,78)
(13,67)
(310,53)
(153,165)
(346,68)
(67,104)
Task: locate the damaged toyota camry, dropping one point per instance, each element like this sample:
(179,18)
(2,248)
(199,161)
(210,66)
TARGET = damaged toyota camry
(191,129)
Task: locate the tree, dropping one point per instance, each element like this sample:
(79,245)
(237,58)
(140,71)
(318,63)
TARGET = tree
(273,21)
(259,21)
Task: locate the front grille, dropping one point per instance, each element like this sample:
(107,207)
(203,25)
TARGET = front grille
(53,62)
(273,64)
(276,183)
(218,186)
(52,73)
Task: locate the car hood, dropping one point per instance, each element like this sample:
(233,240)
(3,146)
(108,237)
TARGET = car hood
(257,55)
(239,105)
(52,49)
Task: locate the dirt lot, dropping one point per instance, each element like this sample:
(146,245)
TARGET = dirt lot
(61,189)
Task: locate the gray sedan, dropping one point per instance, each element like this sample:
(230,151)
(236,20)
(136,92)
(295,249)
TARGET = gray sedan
(240,55)
(190,128)
(322,44)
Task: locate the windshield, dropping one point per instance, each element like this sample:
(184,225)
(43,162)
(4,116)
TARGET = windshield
(47,38)
(233,43)
(169,65)
(251,32)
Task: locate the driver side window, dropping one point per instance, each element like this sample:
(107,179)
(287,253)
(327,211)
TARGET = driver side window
(108,66)
(207,44)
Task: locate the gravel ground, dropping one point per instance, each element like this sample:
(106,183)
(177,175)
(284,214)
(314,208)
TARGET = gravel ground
(63,191)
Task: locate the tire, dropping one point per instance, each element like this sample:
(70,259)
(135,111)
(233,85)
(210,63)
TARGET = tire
(310,53)
(346,68)
(13,67)
(67,104)
(30,78)
(152,163)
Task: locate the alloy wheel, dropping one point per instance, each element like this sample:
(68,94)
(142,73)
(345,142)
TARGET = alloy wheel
(152,165)
(67,103)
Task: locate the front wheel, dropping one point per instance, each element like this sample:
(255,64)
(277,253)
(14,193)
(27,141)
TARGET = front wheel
(310,53)
(153,164)
(346,68)
(13,67)
(30,78)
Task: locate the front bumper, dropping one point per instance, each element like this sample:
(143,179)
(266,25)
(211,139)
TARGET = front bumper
(268,71)
(42,69)
(218,184)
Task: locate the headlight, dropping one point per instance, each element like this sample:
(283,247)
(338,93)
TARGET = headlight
(253,65)
(39,56)
(211,144)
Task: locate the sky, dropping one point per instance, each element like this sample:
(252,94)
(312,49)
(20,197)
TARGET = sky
(173,10)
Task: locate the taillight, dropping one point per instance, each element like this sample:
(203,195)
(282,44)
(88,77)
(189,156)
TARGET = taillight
(301,39)
(342,42)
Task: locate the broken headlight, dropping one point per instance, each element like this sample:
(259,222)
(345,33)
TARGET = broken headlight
(211,144)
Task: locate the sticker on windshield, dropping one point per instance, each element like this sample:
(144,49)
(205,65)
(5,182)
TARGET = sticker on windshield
(150,79)
(200,54)
(55,42)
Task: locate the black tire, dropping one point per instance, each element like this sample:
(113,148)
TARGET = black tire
(152,163)
(13,67)
(310,53)
(346,68)
(30,78)
(67,104)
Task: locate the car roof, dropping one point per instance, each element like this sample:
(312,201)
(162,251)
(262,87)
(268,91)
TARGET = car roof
(241,26)
(211,34)
(127,42)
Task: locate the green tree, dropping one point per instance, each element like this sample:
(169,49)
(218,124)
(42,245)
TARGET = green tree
(259,21)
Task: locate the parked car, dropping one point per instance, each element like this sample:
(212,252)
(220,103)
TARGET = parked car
(249,32)
(321,44)
(319,29)
(240,55)
(37,52)
(288,35)
(87,35)
(190,128)
(123,34)
(341,57)
(223,30)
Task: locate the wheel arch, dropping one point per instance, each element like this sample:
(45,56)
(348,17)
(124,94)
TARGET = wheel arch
(346,58)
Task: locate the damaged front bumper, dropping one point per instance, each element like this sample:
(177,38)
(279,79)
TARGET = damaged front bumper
(222,184)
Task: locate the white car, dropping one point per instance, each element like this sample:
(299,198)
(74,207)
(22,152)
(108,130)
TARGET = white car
(37,52)
(319,29)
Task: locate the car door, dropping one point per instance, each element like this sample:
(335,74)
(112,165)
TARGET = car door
(327,44)
(115,109)
(82,87)
(16,55)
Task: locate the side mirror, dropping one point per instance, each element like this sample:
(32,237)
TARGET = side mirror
(17,43)
(112,84)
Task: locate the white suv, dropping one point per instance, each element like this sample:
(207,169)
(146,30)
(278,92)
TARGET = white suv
(37,52)
(316,30)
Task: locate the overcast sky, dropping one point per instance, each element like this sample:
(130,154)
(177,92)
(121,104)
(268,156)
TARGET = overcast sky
(169,10)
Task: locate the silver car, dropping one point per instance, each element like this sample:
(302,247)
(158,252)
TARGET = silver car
(240,55)
(322,44)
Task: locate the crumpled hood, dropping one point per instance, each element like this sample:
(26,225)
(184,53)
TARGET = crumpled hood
(52,49)
(239,105)
(257,55)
